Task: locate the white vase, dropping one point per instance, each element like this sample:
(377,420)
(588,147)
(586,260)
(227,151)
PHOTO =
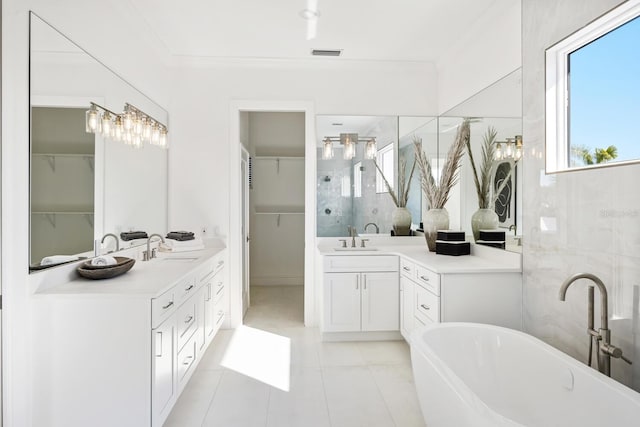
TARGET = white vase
(483,219)
(401,222)
(434,220)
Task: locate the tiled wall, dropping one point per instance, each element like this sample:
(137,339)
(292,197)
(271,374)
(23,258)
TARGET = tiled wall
(580,221)
(347,210)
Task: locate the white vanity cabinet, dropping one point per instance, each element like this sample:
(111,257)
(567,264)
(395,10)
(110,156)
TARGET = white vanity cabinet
(163,368)
(360,293)
(119,352)
(481,296)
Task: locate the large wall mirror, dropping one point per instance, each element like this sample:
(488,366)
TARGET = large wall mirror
(350,189)
(349,192)
(82,185)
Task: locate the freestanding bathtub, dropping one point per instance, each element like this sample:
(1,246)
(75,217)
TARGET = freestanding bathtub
(469,374)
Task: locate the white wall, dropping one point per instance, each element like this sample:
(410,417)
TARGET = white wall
(105,29)
(489,51)
(574,222)
(203,91)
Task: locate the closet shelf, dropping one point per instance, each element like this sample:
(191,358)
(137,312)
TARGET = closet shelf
(278,158)
(279,210)
(62,213)
(63,155)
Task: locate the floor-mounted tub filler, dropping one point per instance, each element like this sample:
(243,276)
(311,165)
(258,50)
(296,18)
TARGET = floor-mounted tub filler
(469,374)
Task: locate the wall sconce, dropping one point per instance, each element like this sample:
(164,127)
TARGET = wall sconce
(133,126)
(511,149)
(349,142)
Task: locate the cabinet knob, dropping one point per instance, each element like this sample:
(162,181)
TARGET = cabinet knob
(426,307)
(169,304)
(188,288)
(405,268)
(426,279)
(188,319)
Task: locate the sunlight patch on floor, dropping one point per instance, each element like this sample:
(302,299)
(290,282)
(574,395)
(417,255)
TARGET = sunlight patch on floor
(261,355)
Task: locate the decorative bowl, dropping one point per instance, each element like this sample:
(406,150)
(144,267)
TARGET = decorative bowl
(98,272)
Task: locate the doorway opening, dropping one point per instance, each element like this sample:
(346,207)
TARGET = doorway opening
(273,217)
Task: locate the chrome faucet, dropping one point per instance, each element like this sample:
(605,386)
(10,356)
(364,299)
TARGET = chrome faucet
(149,254)
(605,350)
(514,228)
(352,234)
(375,225)
(104,238)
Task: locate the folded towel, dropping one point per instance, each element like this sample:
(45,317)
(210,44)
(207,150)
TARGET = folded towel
(104,260)
(165,248)
(58,259)
(130,235)
(196,241)
(180,235)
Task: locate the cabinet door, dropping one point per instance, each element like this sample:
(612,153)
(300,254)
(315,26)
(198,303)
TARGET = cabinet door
(407,296)
(380,302)
(341,302)
(209,321)
(163,381)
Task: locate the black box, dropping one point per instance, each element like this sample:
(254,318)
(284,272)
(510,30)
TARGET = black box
(451,236)
(452,248)
(493,244)
(491,235)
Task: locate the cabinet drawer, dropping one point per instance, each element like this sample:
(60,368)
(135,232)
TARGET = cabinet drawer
(357,263)
(428,279)
(185,289)
(217,289)
(186,359)
(427,306)
(186,319)
(161,307)
(407,268)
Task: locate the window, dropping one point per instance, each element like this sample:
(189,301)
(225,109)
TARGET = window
(593,93)
(386,163)
(357,180)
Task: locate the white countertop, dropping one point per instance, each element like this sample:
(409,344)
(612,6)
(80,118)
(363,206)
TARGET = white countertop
(482,259)
(146,279)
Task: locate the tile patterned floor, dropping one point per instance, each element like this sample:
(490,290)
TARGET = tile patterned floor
(348,384)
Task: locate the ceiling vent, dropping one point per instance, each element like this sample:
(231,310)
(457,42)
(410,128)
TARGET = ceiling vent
(326,52)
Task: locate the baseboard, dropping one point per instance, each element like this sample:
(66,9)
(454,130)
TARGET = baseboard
(277,280)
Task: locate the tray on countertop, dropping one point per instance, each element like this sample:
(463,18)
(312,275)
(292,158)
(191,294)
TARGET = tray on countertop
(98,272)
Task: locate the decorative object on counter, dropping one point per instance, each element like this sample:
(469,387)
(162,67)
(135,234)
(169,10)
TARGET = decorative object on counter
(133,235)
(452,248)
(493,238)
(451,236)
(98,272)
(451,242)
(104,260)
(485,217)
(401,217)
(437,193)
(180,235)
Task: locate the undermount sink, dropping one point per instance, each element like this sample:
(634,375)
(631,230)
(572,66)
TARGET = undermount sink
(179,259)
(355,249)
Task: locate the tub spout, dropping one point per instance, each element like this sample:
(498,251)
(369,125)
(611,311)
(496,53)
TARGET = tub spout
(603,335)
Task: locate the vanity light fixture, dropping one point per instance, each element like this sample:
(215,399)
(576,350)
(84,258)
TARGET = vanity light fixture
(349,142)
(511,149)
(133,126)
